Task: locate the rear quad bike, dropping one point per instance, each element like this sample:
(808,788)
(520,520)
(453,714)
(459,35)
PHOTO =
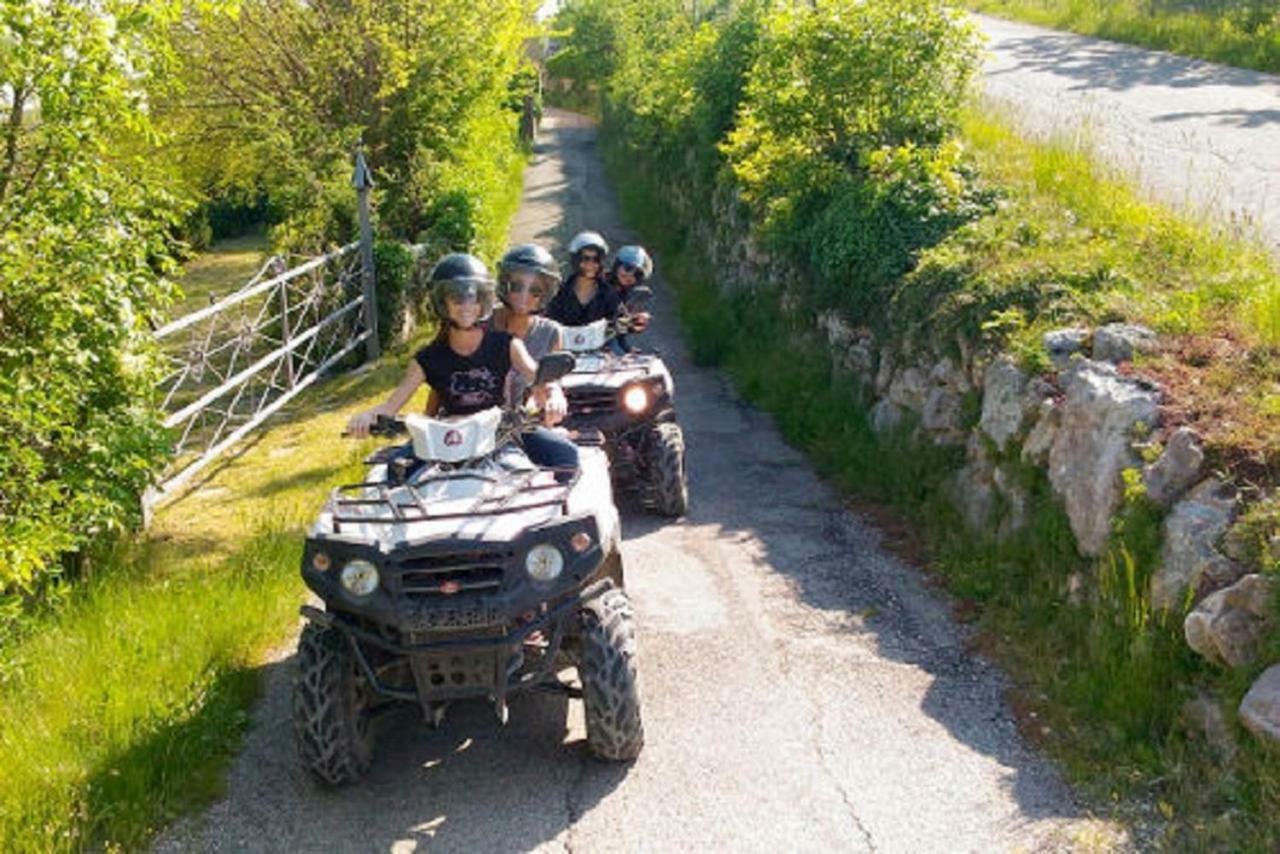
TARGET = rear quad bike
(458,570)
(628,398)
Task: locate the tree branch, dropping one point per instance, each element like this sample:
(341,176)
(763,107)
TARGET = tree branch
(11,132)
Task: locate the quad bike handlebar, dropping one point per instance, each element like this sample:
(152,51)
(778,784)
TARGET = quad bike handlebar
(383,425)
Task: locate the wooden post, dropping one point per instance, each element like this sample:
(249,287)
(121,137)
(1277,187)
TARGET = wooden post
(362,180)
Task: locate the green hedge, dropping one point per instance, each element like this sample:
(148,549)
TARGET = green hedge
(156,122)
(831,127)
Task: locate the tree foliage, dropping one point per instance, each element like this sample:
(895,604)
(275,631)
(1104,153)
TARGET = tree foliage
(276,98)
(83,252)
(832,124)
(117,115)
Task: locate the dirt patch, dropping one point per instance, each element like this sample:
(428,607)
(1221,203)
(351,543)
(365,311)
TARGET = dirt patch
(897,535)
(1229,394)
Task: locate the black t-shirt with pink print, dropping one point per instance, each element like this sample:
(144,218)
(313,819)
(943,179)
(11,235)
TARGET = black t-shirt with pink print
(467,384)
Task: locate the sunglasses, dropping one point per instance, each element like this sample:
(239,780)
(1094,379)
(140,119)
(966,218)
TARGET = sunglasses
(594,259)
(531,288)
(629,269)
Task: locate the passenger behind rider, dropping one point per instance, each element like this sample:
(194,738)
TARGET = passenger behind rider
(589,296)
(631,267)
(527,280)
(466,366)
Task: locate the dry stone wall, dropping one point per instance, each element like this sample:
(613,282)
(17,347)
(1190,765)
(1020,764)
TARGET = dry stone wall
(1089,424)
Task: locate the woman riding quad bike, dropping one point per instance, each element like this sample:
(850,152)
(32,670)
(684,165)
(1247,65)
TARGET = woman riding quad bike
(463,567)
(631,267)
(466,366)
(587,296)
(628,396)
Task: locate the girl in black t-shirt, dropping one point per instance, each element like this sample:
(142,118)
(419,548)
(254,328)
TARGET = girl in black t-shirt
(466,365)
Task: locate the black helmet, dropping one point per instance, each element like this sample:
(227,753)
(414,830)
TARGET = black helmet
(532,258)
(637,258)
(461,275)
(588,240)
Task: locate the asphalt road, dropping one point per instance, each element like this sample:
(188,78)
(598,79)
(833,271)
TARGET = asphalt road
(803,688)
(1193,133)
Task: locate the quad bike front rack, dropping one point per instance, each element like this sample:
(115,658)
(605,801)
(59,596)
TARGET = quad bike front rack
(399,512)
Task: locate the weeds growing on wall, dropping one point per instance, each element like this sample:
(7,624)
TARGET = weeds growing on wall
(1102,680)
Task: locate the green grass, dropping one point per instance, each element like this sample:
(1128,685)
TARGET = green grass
(1071,242)
(122,708)
(224,268)
(1244,33)
(1118,254)
(1100,682)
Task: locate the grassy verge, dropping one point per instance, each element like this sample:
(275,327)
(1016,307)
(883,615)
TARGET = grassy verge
(1071,242)
(122,708)
(224,268)
(1100,681)
(1243,33)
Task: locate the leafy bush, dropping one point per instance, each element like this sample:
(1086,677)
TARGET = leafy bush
(83,252)
(275,99)
(832,87)
(395,265)
(833,125)
(128,124)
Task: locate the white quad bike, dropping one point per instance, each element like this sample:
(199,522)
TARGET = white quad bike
(458,569)
(628,399)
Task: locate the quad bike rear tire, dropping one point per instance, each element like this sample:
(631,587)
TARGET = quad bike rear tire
(331,703)
(668,479)
(607,667)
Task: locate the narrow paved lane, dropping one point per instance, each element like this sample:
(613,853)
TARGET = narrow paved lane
(1196,134)
(803,689)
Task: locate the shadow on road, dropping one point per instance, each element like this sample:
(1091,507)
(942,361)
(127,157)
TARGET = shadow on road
(1114,67)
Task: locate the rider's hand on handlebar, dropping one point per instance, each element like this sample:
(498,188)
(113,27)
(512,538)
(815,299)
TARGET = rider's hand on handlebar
(358,426)
(551,400)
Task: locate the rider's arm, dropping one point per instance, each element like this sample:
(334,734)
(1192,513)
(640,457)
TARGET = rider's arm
(433,403)
(413,377)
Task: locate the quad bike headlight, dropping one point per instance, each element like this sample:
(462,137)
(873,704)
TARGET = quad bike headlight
(544,563)
(635,399)
(359,577)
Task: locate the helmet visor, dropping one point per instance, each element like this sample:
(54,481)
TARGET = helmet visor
(464,291)
(536,283)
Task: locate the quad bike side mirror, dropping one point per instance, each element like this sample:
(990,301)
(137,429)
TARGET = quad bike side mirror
(639,297)
(553,366)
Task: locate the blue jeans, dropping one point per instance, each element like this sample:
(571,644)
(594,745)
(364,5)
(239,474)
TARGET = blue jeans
(546,447)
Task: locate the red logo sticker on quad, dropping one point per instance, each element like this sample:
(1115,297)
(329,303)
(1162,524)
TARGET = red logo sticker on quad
(449,588)
(452,438)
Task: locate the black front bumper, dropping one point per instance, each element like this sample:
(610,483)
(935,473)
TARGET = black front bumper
(459,668)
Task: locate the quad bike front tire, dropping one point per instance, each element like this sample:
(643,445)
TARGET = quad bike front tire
(331,708)
(668,480)
(607,667)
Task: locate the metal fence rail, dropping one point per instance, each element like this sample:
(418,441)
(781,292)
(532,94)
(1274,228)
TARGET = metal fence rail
(236,362)
(232,365)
